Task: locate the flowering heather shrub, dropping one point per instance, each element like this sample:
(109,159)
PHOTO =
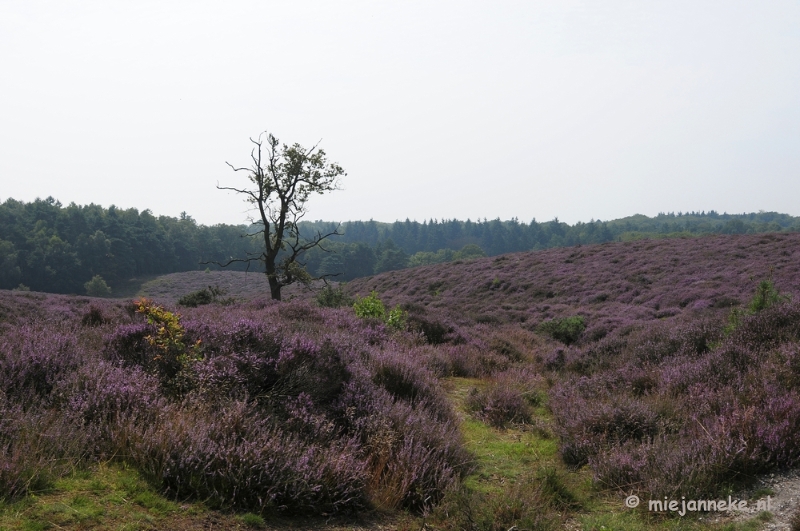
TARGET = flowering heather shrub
(34,358)
(406,380)
(128,344)
(686,410)
(291,407)
(415,453)
(612,285)
(508,397)
(93,317)
(659,343)
(107,399)
(586,426)
(36,446)
(505,348)
(433,331)
(769,327)
(233,456)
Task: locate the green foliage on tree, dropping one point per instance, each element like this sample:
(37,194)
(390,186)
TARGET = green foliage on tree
(97,287)
(10,273)
(282,180)
(390,257)
(469,252)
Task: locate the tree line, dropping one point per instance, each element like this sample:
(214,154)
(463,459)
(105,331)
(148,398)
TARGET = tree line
(47,246)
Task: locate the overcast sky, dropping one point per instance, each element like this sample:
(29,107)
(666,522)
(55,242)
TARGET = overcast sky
(440,109)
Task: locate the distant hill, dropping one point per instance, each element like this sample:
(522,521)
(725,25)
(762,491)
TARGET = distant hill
(238,285)
(611,284)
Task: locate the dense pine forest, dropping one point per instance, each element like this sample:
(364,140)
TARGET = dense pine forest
(46,246)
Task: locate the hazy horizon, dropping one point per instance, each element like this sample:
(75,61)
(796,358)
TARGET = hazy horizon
(436,111)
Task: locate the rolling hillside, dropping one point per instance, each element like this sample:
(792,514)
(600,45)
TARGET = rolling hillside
(610,284)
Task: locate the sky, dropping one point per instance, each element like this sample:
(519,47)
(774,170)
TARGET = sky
(436,110)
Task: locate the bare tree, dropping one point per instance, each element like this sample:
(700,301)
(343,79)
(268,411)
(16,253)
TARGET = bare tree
(283,178)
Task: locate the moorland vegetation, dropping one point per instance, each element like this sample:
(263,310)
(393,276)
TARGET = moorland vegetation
(656,367)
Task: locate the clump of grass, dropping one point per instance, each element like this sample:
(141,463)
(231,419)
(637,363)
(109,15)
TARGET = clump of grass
(252,520)
(535,501)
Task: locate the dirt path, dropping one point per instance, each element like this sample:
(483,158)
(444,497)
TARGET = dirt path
(785,500)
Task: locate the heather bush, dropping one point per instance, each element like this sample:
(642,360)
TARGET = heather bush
(433,331)
(505,348)
(108,400)
(591,421)
(508,398)
(340,414)
(128,344)
(498,405)
(34,359)
(36,446)
(404,379)
(415,450)
(232,456)
(93,317)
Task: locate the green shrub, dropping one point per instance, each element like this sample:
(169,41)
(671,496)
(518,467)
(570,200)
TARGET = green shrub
(201,297)
(766,296)
(370,306)
(330,297)
(567,329)
(97,287)
(397,318)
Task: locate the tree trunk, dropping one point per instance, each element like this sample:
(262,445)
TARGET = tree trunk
(275,288)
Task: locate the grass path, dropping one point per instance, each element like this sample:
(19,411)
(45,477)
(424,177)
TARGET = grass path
(516,454)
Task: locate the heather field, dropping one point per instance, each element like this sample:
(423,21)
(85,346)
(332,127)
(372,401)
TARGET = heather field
(529,391)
